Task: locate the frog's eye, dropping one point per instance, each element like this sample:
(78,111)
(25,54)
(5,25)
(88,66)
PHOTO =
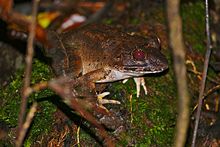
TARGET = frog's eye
(138,54)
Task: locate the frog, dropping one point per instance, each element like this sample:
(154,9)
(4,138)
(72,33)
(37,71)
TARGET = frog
(99,53)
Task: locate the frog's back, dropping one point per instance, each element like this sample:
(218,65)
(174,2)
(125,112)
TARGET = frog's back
(93,47)
(99,45)
(86,48)
(103,37)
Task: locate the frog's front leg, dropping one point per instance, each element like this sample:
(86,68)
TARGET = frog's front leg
(139,81)
(89,80)
(102,101)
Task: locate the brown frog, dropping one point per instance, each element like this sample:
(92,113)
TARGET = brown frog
(99,54)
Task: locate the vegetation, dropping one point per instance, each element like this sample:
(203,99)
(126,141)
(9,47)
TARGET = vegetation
(11,99)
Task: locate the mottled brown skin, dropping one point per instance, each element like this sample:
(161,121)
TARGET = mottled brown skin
(104,54)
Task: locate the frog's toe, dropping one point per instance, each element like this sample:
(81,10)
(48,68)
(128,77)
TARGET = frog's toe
(102,101)
(140,82)
(105,101)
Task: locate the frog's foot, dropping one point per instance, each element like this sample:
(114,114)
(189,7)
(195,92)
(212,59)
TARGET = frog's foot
(140,82)
(102,101)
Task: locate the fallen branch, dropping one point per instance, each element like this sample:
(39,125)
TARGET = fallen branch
(178,49)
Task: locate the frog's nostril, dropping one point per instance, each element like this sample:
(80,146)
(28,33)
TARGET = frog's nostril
(138,54)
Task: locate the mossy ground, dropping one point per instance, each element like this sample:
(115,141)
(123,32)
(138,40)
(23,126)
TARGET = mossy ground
(152,117)
(193,16)
(11,100)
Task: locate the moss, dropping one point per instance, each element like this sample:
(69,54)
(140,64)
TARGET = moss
(11,100)
(108,21)
(193,15)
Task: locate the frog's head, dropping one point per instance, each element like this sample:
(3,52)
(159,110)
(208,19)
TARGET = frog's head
(143,59)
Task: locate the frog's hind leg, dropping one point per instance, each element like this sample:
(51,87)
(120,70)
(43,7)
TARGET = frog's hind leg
(90,79)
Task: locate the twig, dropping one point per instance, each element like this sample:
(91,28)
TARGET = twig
(210,91)
(176,42)
(204,74)
(215,81)
(199,74)
(26,125)
(28,69)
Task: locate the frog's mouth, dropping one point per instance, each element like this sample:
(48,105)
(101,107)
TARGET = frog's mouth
(143,69)
(115,74)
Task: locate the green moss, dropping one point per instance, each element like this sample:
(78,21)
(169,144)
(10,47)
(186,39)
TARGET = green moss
(135,21)
(11,100)
(108,21)
(193,15)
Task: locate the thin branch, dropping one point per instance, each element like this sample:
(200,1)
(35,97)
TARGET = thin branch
(28,69)
(178,49)
(204,74)
(210,91)
(26,125)
(215,81)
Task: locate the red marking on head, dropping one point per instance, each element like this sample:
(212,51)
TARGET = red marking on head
(138,54)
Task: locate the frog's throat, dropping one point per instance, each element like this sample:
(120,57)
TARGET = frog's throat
(116,75)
